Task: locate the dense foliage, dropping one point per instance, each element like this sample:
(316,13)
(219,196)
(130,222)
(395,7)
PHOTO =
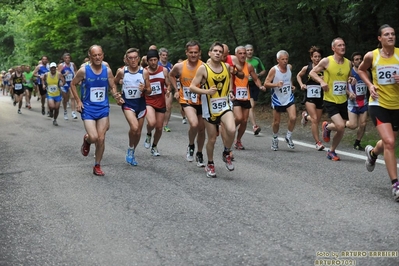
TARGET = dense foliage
(32,28)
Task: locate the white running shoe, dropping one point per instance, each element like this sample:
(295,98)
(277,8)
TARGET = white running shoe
(290,144)
(190,154)
(155,152)
(65,115)
(74,116)
(147,142)
(184,120)
(370,161)
(275,144)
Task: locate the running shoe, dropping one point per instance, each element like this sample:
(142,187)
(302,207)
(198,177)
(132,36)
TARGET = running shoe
(200,159)
(228,163)
(50,114)
(55,123)
(184,120)
(154,151)
(303,120)
(326,132)
(331,155)
(97,170)
(275,144)
(231,155)
(256,129)
(26,105)
(238,145)
(395,191)
(74,116)
(43,111)
(319,146)
(29,106)
(370,160)
(190,154)
(65,115)
(166,129)
(85,149)
(129,155)
(19,111)
(210,170)
(290,144)
(14,103)
(358,147)
(147,142)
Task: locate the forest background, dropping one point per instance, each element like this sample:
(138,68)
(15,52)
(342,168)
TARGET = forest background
(32,28)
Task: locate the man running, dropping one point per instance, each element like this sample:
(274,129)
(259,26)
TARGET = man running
(254,90)
(279,80)
(68,70)
(217,88)
(94,105)
(39,72)
(134,86)
(28,85)
(242,94)
(190,102)
(163,61)
(357,102)
(336,69)
(156,105)
(16,81)
(51,83)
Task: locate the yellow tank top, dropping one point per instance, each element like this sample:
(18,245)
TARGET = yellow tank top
(382,71)
(241,90)
(187,75)
(336,76)
(53,89)
(219,102)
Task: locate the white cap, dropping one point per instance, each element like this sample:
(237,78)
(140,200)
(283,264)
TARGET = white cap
(53,65)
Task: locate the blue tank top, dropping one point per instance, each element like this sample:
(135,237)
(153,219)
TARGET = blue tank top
(42,70)
(168,65)
(95,89)
(68,72)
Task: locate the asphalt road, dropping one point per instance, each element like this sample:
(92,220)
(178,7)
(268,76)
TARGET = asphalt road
(290,207)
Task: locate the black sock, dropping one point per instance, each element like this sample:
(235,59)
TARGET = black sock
(153,145)
(199,153)
(357,142)
(192,146)
(149,134)
(210,162)
(394,181)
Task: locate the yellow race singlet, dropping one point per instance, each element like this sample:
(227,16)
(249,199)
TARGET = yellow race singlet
(53,89)
(382,71)
(336,76)
(218,103)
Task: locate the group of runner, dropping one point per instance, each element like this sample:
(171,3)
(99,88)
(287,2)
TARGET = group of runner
(49,81)
(216,98)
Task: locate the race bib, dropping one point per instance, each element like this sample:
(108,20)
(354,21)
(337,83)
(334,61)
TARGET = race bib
(69,77)
(131,92)
(155,88)
(18,86)
(219,105)
(186,93)
(241,93)
(97,94)
(178,84)
(361,89)
(285,90)
(339,87)
(313,91)
(52,88)
(385,74)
